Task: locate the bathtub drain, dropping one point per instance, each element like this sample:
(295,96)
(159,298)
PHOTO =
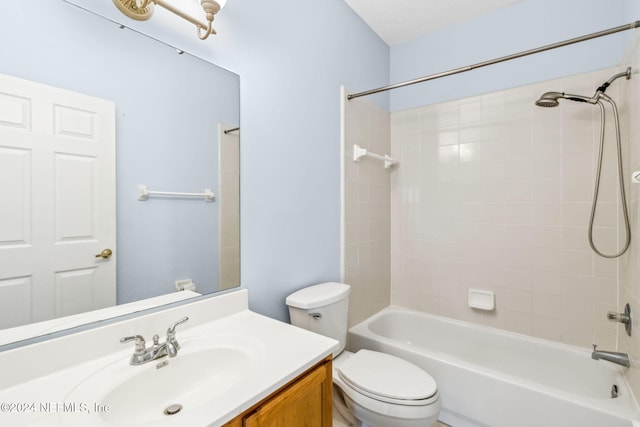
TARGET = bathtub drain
(173,409)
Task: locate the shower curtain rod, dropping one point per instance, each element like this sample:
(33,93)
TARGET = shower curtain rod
(626,27)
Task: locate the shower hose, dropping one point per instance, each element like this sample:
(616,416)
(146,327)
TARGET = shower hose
(623,198)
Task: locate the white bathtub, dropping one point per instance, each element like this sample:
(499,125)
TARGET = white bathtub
(490,377)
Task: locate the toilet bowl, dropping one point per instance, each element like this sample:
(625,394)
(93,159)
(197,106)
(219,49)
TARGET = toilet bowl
(371,388)
(383,390)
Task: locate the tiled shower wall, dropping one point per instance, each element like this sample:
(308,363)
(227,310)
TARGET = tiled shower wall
(494,193)
(366,209)
(630,264)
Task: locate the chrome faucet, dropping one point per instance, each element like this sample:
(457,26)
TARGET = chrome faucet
(611,356)
(142,354)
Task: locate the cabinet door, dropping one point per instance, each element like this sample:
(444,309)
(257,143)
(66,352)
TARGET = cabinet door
(306,403)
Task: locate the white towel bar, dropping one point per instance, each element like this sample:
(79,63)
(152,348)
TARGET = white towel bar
(144,193)
(359,153)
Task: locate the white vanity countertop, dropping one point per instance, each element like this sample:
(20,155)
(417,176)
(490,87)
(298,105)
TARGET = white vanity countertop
(38,380)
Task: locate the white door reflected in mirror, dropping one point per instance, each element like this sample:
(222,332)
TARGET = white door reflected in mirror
(57,184)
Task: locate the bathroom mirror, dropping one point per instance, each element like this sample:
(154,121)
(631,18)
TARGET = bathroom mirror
(171,113)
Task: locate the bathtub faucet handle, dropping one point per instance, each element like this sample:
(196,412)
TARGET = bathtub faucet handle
(624,318)
(594,346)
(618,317)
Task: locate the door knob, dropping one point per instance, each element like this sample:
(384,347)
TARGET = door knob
(106,254)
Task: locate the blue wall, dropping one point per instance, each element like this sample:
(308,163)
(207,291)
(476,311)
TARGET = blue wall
(292,57)
(525,25)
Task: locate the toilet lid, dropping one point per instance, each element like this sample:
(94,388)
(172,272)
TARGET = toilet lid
(387,376)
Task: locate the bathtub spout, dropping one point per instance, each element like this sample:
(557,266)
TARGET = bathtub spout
(611,356)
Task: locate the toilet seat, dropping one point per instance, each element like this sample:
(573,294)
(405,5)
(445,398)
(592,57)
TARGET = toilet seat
(388,379)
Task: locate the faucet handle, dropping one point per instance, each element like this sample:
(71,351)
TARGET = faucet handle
(172,343)
(624,318)
(594,346)
(614,316)
(172,328)
(139,341)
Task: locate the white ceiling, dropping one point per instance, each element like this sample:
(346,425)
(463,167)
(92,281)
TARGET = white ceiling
(397,21)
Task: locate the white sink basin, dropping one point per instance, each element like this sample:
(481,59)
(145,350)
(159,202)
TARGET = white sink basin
(231,358)
(125,395)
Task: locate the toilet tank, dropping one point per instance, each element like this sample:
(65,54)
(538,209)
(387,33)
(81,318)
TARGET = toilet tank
(322,309)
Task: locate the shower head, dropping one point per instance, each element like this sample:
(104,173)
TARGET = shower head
(550,99)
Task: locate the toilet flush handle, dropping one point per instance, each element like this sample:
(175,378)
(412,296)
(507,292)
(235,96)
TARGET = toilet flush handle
(316,315)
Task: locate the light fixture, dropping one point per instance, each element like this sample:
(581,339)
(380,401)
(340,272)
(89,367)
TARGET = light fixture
(142,10)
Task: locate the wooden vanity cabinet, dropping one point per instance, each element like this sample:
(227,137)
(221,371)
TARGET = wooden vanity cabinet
(304,402)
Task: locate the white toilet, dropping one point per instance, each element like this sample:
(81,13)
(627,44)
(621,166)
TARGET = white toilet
(370,388)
